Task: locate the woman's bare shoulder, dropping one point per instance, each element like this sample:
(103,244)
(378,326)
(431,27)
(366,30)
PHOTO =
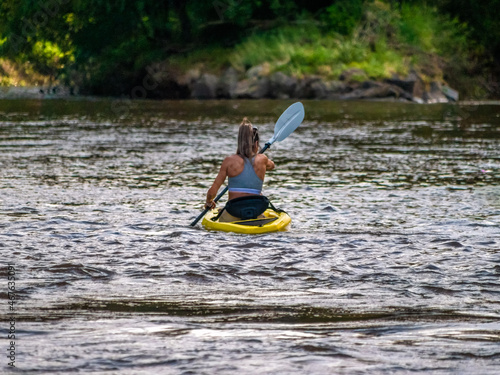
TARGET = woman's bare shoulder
(261,158)
(263,161)
(232,160)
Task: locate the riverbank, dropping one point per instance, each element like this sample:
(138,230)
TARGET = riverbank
(258,83)
(411,52)
(35,92)
(353,84)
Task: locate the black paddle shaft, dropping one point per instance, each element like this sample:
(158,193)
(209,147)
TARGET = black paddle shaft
(221,194)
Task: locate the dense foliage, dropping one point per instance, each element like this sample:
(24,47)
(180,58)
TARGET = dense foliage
(104,45)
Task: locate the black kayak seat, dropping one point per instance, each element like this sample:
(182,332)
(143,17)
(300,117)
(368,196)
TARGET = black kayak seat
(249,207)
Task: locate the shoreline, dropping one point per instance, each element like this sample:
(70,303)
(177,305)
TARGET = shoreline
(308,88)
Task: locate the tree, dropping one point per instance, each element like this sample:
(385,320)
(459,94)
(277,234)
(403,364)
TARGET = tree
(482,17)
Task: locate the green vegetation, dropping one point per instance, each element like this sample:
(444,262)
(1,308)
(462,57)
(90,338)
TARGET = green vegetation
(105,47)
(385,42)
(306,50)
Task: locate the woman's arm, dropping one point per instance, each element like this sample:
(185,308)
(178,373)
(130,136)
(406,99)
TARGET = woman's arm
(269,164)
(264,160)
(219,180)
(263,164)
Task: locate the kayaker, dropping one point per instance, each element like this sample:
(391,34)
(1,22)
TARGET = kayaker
(245,171)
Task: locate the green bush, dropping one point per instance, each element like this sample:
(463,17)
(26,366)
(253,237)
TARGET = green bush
(424,28)
(343,16)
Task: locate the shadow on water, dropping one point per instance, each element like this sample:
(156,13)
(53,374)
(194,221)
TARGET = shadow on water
(256,314)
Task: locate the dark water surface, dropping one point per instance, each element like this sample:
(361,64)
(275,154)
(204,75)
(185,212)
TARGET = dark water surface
(391,266)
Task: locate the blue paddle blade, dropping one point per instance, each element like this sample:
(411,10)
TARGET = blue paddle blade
(288,122)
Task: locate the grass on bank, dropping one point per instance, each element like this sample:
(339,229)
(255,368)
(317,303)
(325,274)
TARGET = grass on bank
(17,74)
(386,42)
(307,50)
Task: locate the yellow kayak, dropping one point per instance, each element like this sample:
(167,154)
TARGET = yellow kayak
(274,221)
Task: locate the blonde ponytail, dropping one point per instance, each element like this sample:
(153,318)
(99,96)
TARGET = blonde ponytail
(247,137)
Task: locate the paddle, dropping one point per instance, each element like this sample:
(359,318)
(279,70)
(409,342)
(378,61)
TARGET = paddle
(286,124)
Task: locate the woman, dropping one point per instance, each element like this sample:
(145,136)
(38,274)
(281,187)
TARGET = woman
(245,169)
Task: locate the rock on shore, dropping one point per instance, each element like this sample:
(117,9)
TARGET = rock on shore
(35,92)
(352,84)
(259,83)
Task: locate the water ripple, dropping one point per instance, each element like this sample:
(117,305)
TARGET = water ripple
(391,264)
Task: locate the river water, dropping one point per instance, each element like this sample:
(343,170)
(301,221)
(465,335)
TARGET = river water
(391,265)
